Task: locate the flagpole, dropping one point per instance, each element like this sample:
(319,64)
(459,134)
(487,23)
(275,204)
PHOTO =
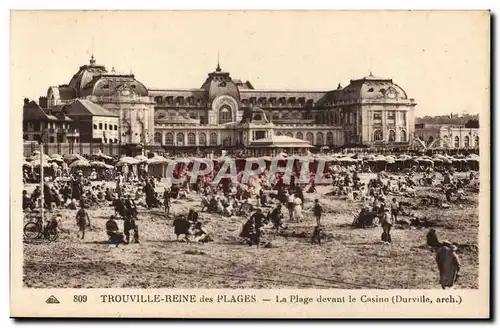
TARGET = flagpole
(41,180)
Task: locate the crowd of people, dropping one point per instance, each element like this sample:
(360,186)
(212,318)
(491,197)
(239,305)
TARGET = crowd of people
(263,201)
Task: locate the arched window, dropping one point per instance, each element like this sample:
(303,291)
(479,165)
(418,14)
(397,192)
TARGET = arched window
(115,127)
(279,133)
(477,141)
(225,115)
(457,142)
(105,126)
(180,139)
(191,139)
(213,138)
(100,126)
(169,138)
(157,138)
(377,135)
(431,139)
(203,139)
(257,117)
(289,134)
(276,116)
(310,137)
(392,135)
(319,138)
(466,141)
(285,115)
(402,136)
(95,126)
(299,135)
(329,138)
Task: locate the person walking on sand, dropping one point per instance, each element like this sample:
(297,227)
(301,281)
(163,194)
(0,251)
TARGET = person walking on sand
(387,223)
(82,219)
(166,201)
(394,210)
(448,264)
(290,204)
(318,210)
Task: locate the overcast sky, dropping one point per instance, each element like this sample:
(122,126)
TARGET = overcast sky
(440,58)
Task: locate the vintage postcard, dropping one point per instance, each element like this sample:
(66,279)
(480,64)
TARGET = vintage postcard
(250,164)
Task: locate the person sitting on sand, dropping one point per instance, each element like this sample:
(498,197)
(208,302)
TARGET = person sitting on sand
(27,203)
(200,234)
(115,236)
(317,234)
(276,217)
(51,224)
(72,205)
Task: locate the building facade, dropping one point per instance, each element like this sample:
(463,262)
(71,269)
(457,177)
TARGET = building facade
(120,94)
(41,126)
(371,111)
(445,136)
(229,113)
(96,124)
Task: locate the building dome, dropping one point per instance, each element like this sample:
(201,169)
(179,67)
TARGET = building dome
(86,74)
(219,83)
(114,84)
(373,87)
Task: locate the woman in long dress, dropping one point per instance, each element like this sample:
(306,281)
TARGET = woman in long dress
(448,264)
(297,209)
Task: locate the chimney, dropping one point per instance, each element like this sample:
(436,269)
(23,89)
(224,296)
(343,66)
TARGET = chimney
(26,101)
(42,101)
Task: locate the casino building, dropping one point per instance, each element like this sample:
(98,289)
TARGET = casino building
(229,113)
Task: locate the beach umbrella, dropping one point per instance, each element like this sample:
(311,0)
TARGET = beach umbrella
(127,160)
(424,159)
(101,155)
(73,157)
(472,158)
(56,158)
(36,157)
(100,165)
(390,159)
(346,160)
(404,157)
(158,160)
(141,158)
(80,163)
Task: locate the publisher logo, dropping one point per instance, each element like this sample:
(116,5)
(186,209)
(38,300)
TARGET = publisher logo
(52,300)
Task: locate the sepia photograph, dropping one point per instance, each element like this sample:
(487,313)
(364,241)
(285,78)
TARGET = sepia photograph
(251,150)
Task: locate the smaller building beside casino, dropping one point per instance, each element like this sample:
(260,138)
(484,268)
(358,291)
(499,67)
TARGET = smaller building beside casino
(56,128)
(447,136)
